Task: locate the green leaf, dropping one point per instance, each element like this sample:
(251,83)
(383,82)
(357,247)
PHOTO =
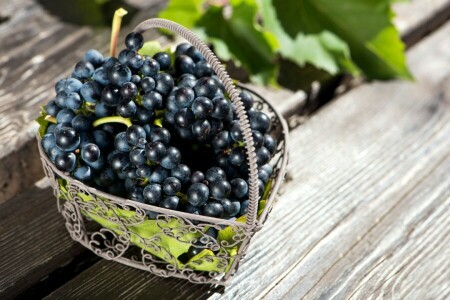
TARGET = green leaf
(238,36)
(365,25)
(42,122)
(185,12)
(150,48)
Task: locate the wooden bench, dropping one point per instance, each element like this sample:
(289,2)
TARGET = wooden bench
(364,213)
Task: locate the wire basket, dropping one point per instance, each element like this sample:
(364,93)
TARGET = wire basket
(156,239)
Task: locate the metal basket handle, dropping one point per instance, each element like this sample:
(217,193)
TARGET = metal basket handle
(236,100)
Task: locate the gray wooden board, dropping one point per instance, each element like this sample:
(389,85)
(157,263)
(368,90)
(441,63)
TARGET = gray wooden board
(37,49)
(33,240)
(365,213)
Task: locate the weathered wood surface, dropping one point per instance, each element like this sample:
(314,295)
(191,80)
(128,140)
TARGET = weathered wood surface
(365,214)
(34,245)
(37,49)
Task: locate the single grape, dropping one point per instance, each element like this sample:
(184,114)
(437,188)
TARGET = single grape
(262,156)
(197,194)
(184,97)
(52,108)
(164,83)
(143,171)
(158,175)
(150,67)
(184,65)
(215,173)
(136,79)
(195,210)
(51,128)
(134,133)
(222,109)
(102,110)
(197,177)
(72,85)
(152,100)
(155,151)
(258,139)
(135,61)
(268,168)
(244,208)
(184,118)
(84,174)
(66,161)
(202,107)
(160,134)
(201,129)
(203,69)
(90,153)
(220,188)
(121,142)
(134,41)
(60,99)
(91,91)
(239,187)
(67,139)
(187,80)
(106,177)
(236,208)
(59,86)
(81,123)
(171,202)
(222,140)
(206,86)
(137,157)
(144,116)
(48,141)
(270,143)
(99,164)
(124,56)
(172,158)
(263,175)
(136,194)
(258,121)
(126,109)
(53,152)
(120,161)
(65,116)
(193,53)
(247,99)
(73,101)
(213,209)
(171,186)
(153,193)
(236,132)
(163,59)
(101,139)
(101,76)
(128,90)
(181,172)
(228,208)
(94,57)
(182,48)
(237,157)
(148,84)
(84,70)
(119,74)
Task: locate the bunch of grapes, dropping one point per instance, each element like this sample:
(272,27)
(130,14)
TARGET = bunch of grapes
(156,131)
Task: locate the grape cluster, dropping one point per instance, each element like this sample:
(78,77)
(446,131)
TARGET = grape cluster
(159,130)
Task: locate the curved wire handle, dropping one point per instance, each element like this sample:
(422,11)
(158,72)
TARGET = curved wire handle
(236,100)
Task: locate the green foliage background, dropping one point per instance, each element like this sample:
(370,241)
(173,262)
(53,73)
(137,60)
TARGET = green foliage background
(332,36)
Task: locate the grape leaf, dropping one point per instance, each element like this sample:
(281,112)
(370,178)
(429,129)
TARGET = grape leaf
(365,25)
(237,36)
(150,48)
(185,12)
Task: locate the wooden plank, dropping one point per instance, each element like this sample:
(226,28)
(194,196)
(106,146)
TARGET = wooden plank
(34,244)
(368,179)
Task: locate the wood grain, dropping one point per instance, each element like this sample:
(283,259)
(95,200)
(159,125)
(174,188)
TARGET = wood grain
(365,213)
(34,242)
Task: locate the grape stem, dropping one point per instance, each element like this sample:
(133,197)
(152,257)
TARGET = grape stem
(50,119)
(116,23)
(113,119)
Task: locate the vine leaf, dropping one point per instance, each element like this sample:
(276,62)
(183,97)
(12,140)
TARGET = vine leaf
(365,25)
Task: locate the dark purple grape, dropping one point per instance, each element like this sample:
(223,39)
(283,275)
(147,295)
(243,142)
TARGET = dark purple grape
(120,161)
(239,188)
(155,151)
(237,157)
(65,116)
(72,85)
(182,49)
(164,83)
(172,158)
(222,140)
(213,209)
(163,59)
(184,97)
(144,116)
(94,57)
(197,194)
(121,143)
(197,177)
(134,41)
(158,175)
(135,61)
(73,101)
(137,157)
(201,129)
(90,153)
(67,139)
(195,54)
(91,91)
(228,208)
(136,79)
(171,202)
(126,109)
(247,99)
(244,208)
(160,134)
(236,132)
(143,171)
(111,95)
(66,161)
(128,90)
(171,186)
(263,175)
(153,193)
(101,76)
(84,70)
(258,121)
(270,143)
(148,84)
(184,65)
(202,107)
(152,100)
(262,156)
(106,178)
(84,174)
(202,69)
(215,173)
(206,86)
(52,108)
(134,133)
(187,80)
(220,188)
(136,194)
(150,67)
(258,139)
(181,172)
(184,118)
(119,74)
(222,109)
